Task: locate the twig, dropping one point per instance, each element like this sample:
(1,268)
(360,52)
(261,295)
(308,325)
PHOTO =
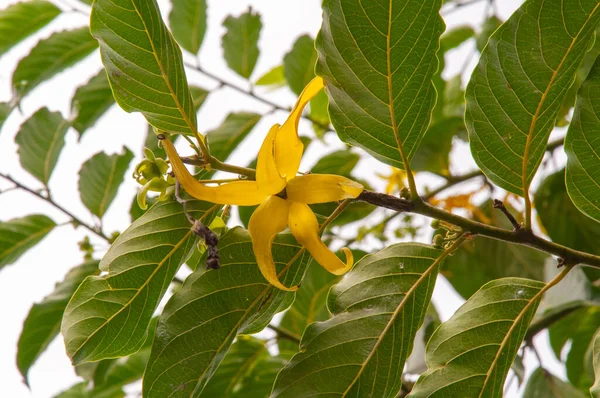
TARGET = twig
(500,206)
(76,220)
(285,334)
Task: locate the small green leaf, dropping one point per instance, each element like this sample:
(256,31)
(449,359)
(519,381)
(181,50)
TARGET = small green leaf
(377,309)
(487,29)
(41,139)
(22,19)
(144,63)
(108,315)
(563,222)
(188,23)
(455,37)
(240,42)
(224,139)
(484,259)
(340,162)
(100,178)
(82,390)
(368,56)
(470,354)
(21,234)
(518,87)
(433,154)
(51,56)
(91,101)
(201,320)
(299,63)
(583,148)
(199,95)
(595,389)
(542,384)
(5,110)
(275,77)
(43,321)
(579,327)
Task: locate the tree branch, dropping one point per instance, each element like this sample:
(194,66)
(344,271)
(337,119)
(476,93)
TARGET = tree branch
(74,218)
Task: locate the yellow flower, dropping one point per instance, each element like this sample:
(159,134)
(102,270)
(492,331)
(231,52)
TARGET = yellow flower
(395,181)
(282,196)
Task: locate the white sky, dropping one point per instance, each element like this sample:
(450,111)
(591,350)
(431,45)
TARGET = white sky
(35,274)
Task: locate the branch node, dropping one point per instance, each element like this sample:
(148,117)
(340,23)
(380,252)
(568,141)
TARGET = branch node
(500,206)
(211,240)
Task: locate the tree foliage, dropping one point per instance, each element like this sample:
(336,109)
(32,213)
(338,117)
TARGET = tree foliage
(375,81)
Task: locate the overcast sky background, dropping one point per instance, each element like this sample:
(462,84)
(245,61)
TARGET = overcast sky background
(34,275)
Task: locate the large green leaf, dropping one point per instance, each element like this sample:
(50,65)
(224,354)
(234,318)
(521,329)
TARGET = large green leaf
(240,42)
(21,234)
(51,56)
(542,384)
(91,101)
(377,309)
(100,178)
(563,222)
(188,23)
(368,56)
(201,320)
(224,139)
(595,389)
(516,91)
(43,321)
(108,315)
(40,140)
(579,327)
(144,63)
(470,354)
(582,146)
(22,19)
(482,260)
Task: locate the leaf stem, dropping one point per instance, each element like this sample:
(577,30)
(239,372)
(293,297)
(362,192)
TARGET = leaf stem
(285,334)
(75,220)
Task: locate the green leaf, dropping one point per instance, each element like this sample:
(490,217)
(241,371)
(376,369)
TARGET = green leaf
(487,29)
(199,95)
(91,101)
(482,260)
(81,390)
(368,56)
(433,154)
(340,162)
(240,42)
(22,19)
(516,91)
(543,384)
(579,327)
(20,234)
(144,63)
(201,320)
(595,389)
(108,315)
(41,139)
(43,321)
(470,354)
(100,178)
(377,309)
(5,109)
(583,148)
(237,365)
(51,56)
(562,221)
(299,63)
(226,138)
(188,23)
(455,37)
(274,77)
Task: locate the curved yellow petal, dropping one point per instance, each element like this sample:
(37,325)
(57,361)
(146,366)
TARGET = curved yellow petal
(305,228)
(322,188)
(266,222)
(288,147)
(241,193)
(268,178)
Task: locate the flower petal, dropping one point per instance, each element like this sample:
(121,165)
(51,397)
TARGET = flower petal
(241,193)
(267,176)
(304,226)
(322,188)
(288,147)
(266,222)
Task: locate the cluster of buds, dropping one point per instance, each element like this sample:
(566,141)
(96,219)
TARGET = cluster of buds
(151,173)
(452,232)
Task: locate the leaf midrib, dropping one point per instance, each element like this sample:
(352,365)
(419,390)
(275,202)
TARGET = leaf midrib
(524,174)
(162,72)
